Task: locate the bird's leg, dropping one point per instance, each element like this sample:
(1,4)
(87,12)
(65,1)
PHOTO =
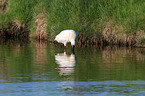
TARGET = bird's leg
(61,45)
(64,45)
(64,48)
(73,47)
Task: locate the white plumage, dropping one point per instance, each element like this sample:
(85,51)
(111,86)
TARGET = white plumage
(67,36)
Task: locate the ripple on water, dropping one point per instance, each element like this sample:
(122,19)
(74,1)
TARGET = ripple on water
(64,88)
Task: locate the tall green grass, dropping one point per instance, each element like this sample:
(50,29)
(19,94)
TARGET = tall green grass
(87,17)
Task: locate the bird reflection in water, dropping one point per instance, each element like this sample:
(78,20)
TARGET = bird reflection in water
(66,63)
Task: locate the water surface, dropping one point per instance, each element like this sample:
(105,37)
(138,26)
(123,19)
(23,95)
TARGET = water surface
(43,69)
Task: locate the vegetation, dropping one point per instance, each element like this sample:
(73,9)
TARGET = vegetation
(96,21)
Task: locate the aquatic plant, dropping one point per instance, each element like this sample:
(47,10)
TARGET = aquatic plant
(96,21)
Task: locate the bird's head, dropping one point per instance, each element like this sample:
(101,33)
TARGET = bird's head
(73,42)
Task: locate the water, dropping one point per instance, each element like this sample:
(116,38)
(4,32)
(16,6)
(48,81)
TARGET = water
(43,69)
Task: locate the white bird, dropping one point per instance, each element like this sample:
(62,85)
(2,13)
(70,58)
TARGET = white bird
(66,36)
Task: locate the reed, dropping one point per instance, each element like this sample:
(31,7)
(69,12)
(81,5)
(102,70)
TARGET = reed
(88,18)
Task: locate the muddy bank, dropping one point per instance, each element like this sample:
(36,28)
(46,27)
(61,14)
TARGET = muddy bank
(14,30)
(106,38)
(109,37)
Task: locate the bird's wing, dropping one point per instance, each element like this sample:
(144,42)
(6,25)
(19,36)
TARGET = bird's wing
(62,37)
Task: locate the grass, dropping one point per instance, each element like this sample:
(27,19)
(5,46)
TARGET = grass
(88,18)
(142,41)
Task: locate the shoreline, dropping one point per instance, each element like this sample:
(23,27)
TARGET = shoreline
(87,41)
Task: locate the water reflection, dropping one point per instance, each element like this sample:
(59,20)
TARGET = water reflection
(41,67)
(66,63)
(4,70)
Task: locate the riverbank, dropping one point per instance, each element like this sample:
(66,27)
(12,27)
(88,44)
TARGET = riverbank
(97,22)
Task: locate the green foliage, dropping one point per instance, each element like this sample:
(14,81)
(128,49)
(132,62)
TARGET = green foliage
(4,20)
(21,9)
(84,16)
(142,41)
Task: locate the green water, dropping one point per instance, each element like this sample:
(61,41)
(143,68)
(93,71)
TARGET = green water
(43,69)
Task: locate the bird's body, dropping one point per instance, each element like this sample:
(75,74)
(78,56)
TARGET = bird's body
(66,36)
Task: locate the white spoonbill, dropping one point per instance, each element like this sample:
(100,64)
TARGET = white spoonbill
(67,36)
